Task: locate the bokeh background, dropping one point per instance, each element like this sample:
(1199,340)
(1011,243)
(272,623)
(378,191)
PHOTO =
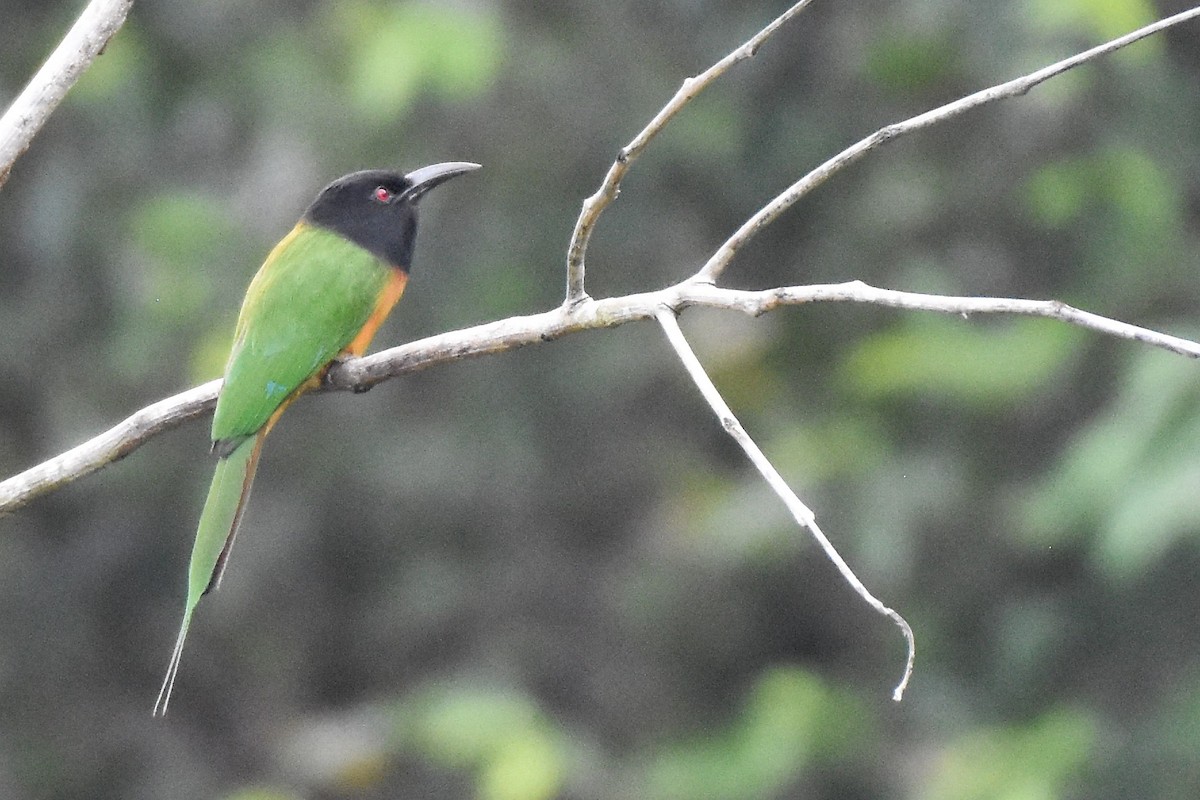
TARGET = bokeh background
(549,574)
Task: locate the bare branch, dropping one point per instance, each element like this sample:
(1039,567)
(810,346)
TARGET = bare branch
(112,445)
(103,17)
(804,516)
(580,312)
(516,332)
(717,264)
(859,292)
(87,38)
(594,206)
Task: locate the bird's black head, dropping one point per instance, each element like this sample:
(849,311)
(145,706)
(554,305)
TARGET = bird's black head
(377,209)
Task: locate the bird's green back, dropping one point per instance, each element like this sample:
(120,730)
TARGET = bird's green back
(309,299)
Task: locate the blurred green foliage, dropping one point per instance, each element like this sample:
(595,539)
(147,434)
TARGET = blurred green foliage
(1122,207)
(935,358)
(261,794)
(789,722)
(549,574)
(509,745)
(393,52)
(1022,762)
(911,61)
(1126,481)
(1106,19)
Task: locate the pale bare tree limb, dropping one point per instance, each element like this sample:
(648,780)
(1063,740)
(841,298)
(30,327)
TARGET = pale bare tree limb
(578,312)
(87,39)
(724,254)
(803,515)
(112,445)
(516,332)
(594,206)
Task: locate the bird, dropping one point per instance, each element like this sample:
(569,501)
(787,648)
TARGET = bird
(318,298)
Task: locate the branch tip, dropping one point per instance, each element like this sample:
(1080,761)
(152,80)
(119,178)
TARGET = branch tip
(801,513)
(888,133)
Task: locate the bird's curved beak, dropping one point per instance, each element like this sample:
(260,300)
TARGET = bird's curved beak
(426,178)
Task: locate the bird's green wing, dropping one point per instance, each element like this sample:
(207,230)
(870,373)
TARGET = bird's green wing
(309,299)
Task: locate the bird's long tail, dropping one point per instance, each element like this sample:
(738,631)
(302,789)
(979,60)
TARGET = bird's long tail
(218,526)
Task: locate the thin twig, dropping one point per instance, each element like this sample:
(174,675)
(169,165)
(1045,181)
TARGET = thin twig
(594,206)
(516,332)
(800,512)
(717,264)
(87,38)
(859,292)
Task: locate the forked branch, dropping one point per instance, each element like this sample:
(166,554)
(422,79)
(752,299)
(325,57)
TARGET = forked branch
(594,206)
(724,254)
(515,332)
(580,312)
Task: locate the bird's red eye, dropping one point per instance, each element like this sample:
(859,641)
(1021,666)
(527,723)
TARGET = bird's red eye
(382,194)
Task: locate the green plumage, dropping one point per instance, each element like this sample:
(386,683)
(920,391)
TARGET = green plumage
(226,498)
(323,291)
(307,302)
